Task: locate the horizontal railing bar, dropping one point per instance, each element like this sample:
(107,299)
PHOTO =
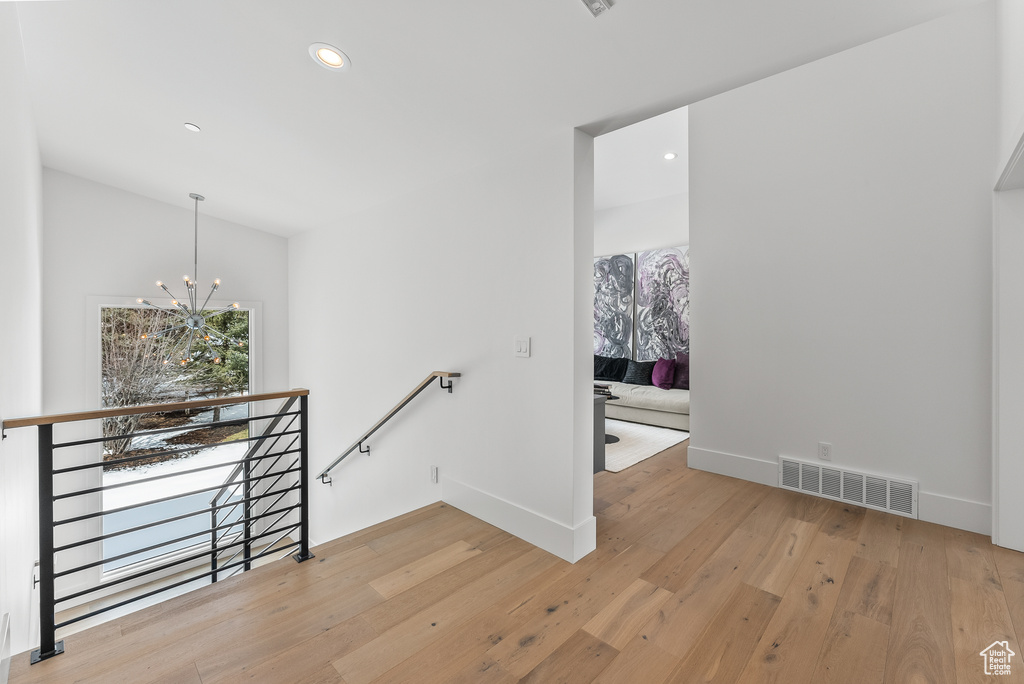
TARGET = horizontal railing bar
(180,428)
(228,500)
(274,543)
(88,516)
(149,408)
(272,484)
(278,499)
(128,554)
(283,511)
(171,452)
(273,426)
(145,480)
(269,548)
(221,538)
(390,414)
(233,556)
(183,516)
(159,568)
(234,537)
(260,497)
(187,427)
(265,495)
(98,611)
(102,561)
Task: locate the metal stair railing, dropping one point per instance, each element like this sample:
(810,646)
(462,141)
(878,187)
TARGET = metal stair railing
(271,483)
(240,478)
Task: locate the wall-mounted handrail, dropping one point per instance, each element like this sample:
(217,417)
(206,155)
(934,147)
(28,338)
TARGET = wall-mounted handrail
(358,444)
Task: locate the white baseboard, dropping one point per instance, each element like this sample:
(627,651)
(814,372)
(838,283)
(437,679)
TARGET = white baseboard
(566,542)
(962,514)
(741,467)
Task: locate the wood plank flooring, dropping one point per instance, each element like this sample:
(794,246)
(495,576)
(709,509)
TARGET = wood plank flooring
(696,578)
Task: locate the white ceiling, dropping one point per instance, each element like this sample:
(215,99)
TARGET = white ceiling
(435,88)
(630,164)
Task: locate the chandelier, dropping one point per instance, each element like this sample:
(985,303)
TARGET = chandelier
(191,322)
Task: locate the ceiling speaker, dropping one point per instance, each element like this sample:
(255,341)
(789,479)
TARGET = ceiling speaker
(598,7)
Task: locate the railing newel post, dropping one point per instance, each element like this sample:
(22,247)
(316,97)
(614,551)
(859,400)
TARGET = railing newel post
(303,554)
(48,647)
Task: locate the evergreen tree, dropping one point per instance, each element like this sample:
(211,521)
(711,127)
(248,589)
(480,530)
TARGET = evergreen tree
(225,372)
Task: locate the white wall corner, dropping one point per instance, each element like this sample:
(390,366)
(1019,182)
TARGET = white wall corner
(583,521)
(741,467)
(5,647)
(568,543)
(584,539)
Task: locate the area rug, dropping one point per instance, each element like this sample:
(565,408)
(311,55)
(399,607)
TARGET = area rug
(637,443)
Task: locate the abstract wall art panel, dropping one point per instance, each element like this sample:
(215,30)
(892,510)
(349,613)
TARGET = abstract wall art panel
(613,306)
(662,303)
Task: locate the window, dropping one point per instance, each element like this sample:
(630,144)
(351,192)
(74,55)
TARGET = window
(133,372)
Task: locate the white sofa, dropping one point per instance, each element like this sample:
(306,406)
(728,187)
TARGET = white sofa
(648,404)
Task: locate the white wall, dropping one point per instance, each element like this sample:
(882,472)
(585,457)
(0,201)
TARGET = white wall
(20,345)
(657,223)
(444,279)
(1008,370)
(1010,15)
(1008,290)
(99,241)
(841,266)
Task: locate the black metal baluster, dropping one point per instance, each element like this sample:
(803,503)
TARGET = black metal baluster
(47,632)
(303,554)
(213,540)
(249,488)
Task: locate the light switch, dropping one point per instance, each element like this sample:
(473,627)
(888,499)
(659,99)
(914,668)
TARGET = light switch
(523,346)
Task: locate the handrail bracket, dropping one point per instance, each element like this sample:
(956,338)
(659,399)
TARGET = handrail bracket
(440,380)
(364,451)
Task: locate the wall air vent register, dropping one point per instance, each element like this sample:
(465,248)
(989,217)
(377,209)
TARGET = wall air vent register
(871,491)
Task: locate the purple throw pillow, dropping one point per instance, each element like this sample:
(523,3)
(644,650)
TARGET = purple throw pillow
(664,370)
(682,378)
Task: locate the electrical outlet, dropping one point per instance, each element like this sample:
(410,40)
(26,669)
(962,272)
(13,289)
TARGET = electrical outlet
(433,474)
(824,451)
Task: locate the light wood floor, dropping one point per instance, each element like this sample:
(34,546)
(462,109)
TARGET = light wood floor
(696,578)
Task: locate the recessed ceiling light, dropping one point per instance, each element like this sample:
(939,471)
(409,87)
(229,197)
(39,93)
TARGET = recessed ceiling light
(670,156)
(329,57)
(191,127)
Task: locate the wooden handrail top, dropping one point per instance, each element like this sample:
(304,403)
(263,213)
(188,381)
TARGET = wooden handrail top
(150,408)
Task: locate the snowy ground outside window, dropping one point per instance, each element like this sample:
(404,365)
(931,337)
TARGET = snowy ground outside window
(132,494)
